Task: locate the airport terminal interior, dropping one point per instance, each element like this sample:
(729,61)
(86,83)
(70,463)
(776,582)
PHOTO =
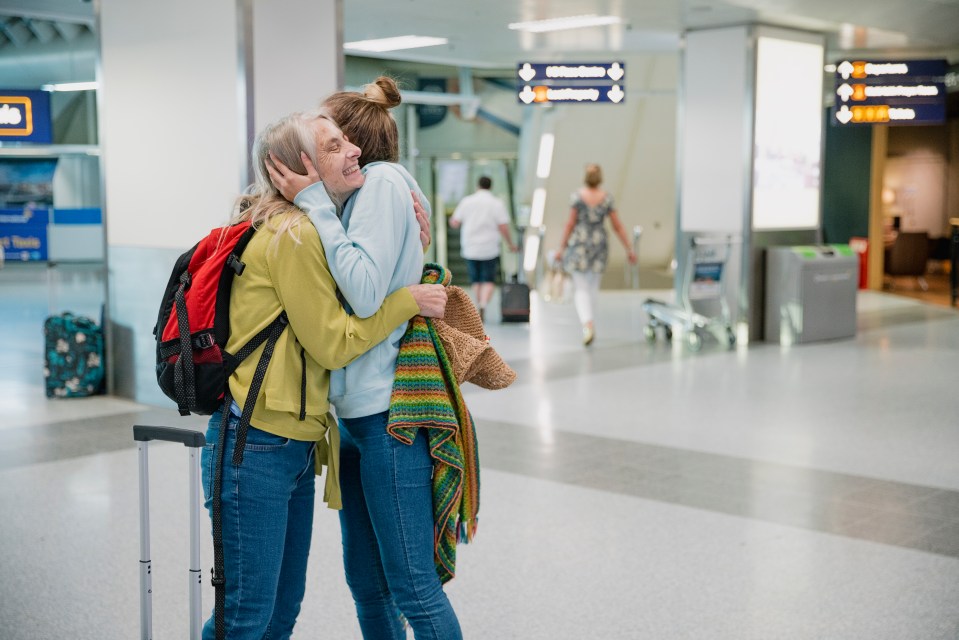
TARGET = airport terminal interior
(629,490)
(698,471)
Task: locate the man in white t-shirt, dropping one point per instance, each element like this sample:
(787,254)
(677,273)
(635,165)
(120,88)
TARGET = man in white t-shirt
(484,221)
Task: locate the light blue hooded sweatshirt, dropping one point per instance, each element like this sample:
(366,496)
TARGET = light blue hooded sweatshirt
(373,250)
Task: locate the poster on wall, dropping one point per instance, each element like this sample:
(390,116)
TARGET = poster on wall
(451,177)
(26,194)
(26,182)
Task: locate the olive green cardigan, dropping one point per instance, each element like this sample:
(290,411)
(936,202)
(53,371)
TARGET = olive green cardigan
(295,277)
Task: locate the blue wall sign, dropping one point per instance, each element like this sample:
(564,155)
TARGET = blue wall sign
(25,116)
(431,114)
(23,234)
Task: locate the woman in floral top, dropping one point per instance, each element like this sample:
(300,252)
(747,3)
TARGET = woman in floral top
(584,245)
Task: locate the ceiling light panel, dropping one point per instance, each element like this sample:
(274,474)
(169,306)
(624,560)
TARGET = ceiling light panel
(571,22)
(394,44)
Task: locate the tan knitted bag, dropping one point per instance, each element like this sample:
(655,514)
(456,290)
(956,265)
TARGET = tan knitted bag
(467,345)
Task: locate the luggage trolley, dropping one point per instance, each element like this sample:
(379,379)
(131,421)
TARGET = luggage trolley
(704,281)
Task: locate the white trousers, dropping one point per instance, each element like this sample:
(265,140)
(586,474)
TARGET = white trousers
(586,290)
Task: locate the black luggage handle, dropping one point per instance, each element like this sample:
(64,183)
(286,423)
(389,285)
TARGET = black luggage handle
(188,437)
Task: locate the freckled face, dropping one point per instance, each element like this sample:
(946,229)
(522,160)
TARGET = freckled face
(337,160)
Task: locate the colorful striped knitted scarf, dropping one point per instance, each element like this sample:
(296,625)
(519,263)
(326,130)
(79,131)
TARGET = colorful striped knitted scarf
(426,395)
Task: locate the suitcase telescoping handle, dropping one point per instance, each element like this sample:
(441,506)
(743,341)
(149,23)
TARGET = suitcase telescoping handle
(195,441)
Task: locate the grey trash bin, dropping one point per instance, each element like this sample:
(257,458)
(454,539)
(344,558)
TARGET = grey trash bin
(810,293)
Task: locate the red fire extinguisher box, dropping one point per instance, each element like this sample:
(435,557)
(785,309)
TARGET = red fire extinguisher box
(861,247)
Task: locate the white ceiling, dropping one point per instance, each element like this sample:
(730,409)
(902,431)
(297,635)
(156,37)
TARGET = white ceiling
(479,36)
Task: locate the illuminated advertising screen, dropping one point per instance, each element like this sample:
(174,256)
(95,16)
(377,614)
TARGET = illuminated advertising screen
(787,134)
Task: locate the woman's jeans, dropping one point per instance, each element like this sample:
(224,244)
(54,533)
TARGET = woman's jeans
(267,511)
(387,524)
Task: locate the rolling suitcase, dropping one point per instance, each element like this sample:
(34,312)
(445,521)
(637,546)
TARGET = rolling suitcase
(73,356)
(514,300)
(194,440)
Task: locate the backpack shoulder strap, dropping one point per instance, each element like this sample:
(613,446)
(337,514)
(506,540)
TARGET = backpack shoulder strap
(233,267)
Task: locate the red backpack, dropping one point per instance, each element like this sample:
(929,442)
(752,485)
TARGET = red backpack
(192,364)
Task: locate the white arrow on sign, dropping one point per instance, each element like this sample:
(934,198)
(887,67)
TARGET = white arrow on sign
(844,115)
(527,73)
(844,91)
(527,95)
(845,69)
(616,94)
(615,72)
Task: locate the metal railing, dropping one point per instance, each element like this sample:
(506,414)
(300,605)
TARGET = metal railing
(631,271)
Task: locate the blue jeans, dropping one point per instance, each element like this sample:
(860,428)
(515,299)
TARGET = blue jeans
(387,525)
(267,506)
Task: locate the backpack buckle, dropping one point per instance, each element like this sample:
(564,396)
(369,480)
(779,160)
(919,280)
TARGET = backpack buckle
(236,264)
(204,341)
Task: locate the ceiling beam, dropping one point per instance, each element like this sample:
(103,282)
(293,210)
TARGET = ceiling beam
(16,31)
(56,10)
(42,30)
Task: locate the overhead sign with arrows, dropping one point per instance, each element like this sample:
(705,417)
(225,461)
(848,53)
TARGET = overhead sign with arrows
(902,92)
(586,82)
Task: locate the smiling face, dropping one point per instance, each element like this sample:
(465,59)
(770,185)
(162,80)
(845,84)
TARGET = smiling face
(337,160)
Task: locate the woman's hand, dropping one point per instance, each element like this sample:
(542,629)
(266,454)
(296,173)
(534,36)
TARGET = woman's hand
(631,255)
(423,221)
(288,182)
(431,299)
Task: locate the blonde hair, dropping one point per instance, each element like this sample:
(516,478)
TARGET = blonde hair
(263,204)
(594,175)
(367,121)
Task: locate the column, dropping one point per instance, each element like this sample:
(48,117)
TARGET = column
(750,152)
(184,86)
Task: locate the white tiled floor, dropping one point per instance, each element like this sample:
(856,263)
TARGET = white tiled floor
(557,559)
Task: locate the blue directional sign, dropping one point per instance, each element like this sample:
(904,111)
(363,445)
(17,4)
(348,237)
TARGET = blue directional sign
(530,94)
(544,73)
(890,92)
(25,116)
(570,82)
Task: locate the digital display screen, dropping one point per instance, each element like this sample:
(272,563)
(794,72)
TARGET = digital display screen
(787,135)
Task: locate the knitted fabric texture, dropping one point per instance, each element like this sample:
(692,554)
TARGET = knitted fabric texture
(426,395)
(467,346)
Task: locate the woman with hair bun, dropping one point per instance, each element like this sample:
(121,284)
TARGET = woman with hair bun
(374,248)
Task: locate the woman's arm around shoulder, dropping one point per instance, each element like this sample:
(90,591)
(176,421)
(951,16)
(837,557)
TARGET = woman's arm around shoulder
(307,292)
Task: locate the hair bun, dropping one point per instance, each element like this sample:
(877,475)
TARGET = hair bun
(384,92)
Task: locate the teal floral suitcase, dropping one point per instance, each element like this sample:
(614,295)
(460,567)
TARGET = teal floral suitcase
(73,365)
